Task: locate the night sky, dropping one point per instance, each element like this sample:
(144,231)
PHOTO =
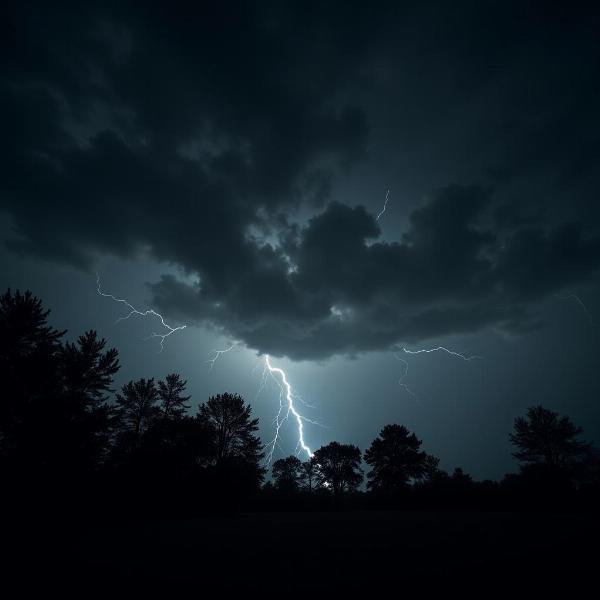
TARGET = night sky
(225,165)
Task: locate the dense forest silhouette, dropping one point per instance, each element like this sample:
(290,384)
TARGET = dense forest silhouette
(70,442)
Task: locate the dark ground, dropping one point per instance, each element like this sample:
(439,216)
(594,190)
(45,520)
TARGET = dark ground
(288,553)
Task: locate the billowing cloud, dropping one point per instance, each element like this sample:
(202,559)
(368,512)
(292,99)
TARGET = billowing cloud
(212,138)
(126,134)
(339,290)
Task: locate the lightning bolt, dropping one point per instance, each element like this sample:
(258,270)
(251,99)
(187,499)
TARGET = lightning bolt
(288,396)
(287,401)
(145,313)
(384,205)
(579,301)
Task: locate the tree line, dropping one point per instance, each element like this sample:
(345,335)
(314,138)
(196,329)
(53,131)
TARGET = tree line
(555,464)
(67,439)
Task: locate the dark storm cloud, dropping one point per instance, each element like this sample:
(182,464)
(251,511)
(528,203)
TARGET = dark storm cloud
(126,133)
(195,134)
(347,293)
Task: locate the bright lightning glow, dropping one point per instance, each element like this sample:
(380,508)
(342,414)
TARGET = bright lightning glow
(287,396)
(384,205)
(288,393)
(287,401)
(145,313)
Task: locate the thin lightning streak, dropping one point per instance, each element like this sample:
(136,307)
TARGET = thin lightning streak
(404,376)
(278,421)
(217,354)
(579,301)
(145,313)
(442,349)
(263,379)
(256,365)
(384,205)
(428,351)
(304,402)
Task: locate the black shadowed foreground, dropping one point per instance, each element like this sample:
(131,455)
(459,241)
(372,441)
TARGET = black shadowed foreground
(283,552)
(130,491)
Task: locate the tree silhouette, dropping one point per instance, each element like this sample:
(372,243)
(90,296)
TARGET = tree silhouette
(457,481)
(174,441)
(137,407)
(235,449)
(171,398)
(87,373)
(310,475)
(56,420)
(29,367)
(287,473)
(340,467)
(57,428)
(460,478)
(395,459)
(234,429)
(543,437)
(24,327)
(87,369)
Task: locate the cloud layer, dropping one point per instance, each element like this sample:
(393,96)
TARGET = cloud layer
(212,137)
(339,290)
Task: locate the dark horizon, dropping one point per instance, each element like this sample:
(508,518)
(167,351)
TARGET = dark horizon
(228,167)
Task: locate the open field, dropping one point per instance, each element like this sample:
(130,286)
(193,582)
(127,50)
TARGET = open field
(346,551)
